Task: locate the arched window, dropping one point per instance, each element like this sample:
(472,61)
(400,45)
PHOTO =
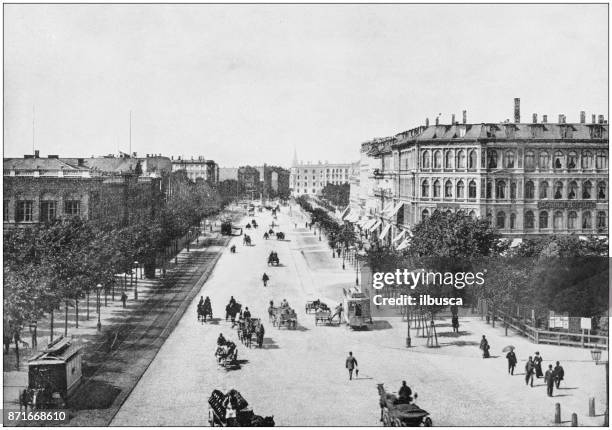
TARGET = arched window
(529,220)
(500,189)
(601,190)
(509,160)
(448,189)
(461,159)
(424,214)
(587,223)
(558,190)
(472,160)
(558,220)
(572,220)
(448,160)
(513,190)
(572,191)
(437,160)
(426,160)
(572,160)
(512,221)
(601,220)
(529,190)
(472,190)
(472,214)
(460,190)
(544,160)
(587,160)
(501,220)
(587,190)
(543,219)
(601,160)
(529,160)
(558,163)
(492,159)
(425,188)
(489,190)
(436,189)
(544,190)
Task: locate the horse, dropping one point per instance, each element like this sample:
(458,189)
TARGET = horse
(231,311)
(204,310)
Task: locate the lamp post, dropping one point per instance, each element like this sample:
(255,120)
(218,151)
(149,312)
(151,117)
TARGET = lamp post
(356,269)
(98,289)
(136,283)
(408,339)
(596,356)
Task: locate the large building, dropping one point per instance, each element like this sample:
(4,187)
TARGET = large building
(527,178)
(310,178)
(198,168)
(115,190)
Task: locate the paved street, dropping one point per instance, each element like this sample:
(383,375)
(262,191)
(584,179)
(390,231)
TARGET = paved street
(299,377)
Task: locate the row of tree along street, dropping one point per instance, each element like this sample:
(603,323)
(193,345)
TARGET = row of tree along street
(567,274)
(65,260)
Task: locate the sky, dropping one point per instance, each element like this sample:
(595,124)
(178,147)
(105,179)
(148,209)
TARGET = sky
(248,84)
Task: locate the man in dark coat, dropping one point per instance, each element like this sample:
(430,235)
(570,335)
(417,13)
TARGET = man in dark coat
(484,345)
(529,370)
(265,278)
(511,357)
(405,393)
(550,380)
(558,374)
(537,362)
(351,364)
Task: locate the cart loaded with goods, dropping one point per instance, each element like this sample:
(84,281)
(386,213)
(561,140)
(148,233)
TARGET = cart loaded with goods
(231,409)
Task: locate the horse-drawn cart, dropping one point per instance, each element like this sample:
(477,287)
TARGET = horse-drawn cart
(273,259)
(232,409)
(284,316)
(393,413)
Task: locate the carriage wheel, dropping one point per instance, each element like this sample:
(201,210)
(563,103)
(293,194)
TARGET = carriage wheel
(427,422)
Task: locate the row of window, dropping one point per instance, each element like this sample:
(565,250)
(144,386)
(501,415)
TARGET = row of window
(328,171)
(495,159)
(501,190)
(501,221)
(24,210)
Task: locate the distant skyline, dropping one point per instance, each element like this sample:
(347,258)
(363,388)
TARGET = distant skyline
(246,84)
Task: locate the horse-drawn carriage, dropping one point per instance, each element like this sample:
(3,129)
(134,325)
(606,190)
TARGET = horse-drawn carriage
(316,305)
(284,316)
(227,354)
(273,259)
(204,310)
(254,223)
(357,308)
(280,236)
(246,240)
(231,310)
(232,409)
(394,413)
(249,327)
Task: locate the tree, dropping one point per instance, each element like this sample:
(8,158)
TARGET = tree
(338,195)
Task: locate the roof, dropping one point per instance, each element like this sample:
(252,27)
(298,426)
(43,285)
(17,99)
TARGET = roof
(42,164)
(507,131)
(59,351)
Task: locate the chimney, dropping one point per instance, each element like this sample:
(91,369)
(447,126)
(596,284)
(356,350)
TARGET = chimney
(601,119)
(437,120)
(535,118)
(81,161)
(464,116)
(37,154)
(593,118)
(544,119)
(517,110)
(453,119)
(582,117)
(560,118)
(427,121)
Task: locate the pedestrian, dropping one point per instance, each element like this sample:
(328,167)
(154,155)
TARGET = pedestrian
(484,345)
(246,314)
(455,323)
(405,394)
(351,364)
(529,369)
(550,380)
(558,374)
(123,298)
(537,362)
(265,278)
(511,357)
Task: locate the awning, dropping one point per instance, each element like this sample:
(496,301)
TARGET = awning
(388,207)
(385,231)
(399,236)
(396,209)
(368,223)
(375,225)
(364,222)
(404,244)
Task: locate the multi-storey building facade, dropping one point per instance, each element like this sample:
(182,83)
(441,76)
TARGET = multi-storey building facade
(310,178)
(199,168)
(527,178)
